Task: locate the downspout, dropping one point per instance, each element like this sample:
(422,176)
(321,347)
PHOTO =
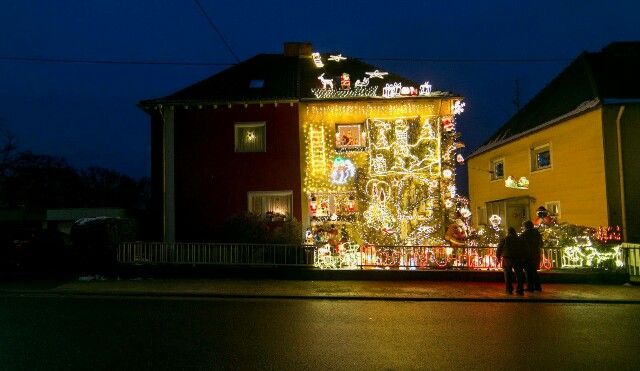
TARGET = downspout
(623,209)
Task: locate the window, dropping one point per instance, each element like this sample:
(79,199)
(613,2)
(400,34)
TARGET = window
(553,208)
(350,136)
(541,157)
(271,205)
(497,169)
(251,137)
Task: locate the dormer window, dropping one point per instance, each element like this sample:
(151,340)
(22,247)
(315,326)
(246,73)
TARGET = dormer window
(256,84)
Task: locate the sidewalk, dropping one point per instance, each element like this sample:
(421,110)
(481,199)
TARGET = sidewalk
(327,290)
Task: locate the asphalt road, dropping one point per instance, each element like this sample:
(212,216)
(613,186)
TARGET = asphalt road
(110,333)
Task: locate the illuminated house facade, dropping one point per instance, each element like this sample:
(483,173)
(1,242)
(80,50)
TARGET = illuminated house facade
(336,143)
(571,149)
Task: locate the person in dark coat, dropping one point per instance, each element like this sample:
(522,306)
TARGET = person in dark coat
(512,253)
(532,240)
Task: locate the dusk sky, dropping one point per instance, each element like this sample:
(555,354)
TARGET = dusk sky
(86,112)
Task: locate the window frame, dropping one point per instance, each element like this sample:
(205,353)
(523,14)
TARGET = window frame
(362,138)
(255,124)
(533,154)
(492,172)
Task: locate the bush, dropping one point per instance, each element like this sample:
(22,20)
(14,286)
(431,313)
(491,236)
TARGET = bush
(251,228)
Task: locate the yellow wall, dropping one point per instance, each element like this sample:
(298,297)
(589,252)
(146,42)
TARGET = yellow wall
(576,177)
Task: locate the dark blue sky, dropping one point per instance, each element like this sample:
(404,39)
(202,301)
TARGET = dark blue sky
(87,112)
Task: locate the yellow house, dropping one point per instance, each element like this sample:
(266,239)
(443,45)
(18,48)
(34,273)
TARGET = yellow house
(571,149)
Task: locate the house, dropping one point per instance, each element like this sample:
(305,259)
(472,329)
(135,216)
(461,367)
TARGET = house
(571,149)
(342,146)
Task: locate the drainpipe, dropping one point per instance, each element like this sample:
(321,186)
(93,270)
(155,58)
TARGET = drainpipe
(168,179)
(623,209)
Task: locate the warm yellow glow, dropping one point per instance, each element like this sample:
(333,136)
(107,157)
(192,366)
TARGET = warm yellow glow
(399,189)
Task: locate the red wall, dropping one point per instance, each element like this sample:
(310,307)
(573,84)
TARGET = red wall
(212,180)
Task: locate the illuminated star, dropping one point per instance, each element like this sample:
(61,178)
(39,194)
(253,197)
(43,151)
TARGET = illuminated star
(337,58)
(377,74)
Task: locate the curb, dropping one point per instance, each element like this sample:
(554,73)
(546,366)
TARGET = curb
(189,295)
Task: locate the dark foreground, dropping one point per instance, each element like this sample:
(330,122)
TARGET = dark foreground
(40,331)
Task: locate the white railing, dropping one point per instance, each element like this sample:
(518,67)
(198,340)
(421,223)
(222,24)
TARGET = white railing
(213,253)
(351,256)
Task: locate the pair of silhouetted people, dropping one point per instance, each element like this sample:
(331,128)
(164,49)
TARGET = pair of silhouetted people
(520,254)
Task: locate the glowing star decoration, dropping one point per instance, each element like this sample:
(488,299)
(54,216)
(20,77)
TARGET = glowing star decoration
(377,74)
(343,169)
(460,159)
(337,58)
(317,59)
(325,82)
(522,183)
(425,89)
(458,107)
(447,173)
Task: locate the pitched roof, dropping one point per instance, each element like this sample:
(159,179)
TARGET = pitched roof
(610,75)
(284,78)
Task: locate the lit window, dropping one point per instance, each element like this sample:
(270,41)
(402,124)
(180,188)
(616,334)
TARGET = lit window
(251,137)
(272,205)
(256,84)
(350,136)
(497,169)
(541,157)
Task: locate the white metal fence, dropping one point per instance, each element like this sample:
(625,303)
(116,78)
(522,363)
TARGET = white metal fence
(214,254)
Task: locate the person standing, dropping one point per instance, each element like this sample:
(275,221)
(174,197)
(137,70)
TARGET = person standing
(511,251)
(532,240)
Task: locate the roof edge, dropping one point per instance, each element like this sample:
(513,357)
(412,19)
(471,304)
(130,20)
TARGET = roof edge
(583,107)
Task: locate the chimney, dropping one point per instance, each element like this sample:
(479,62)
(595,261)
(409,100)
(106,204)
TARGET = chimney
(297,49)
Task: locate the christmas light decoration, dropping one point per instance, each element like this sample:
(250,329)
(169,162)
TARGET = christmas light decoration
(343,169)
(317,59)
(325,82)
(458,107)
(522,183)
(377,74)
(404,149)
(345,81)
(425,89)
(337,58)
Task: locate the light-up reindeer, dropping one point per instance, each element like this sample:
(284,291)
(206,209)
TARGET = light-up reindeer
(325,82)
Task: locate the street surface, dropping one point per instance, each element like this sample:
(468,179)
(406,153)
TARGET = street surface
(51,331)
